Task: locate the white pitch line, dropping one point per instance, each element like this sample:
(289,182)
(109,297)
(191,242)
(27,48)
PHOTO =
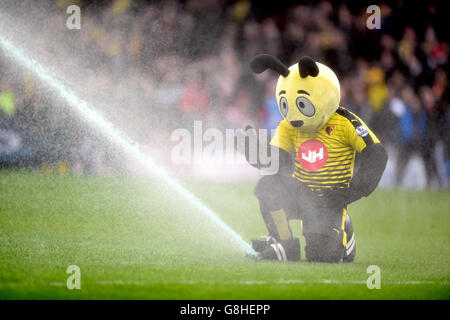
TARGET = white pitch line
(255,282)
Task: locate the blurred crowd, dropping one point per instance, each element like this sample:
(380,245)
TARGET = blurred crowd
(188,60)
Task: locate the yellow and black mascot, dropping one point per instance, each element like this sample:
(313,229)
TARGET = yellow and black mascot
(317,143)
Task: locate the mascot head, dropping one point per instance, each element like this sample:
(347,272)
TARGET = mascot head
(308,92)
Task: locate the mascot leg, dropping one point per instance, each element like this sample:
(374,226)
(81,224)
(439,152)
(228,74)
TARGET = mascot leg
(322,248)
(330,240)
(350,246)
(280,243)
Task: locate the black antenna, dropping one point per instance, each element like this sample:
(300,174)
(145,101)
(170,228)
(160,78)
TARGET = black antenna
(262,62)
(307,67)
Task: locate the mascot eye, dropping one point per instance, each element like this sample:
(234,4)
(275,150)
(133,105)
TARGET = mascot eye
(284,108)
(305,106)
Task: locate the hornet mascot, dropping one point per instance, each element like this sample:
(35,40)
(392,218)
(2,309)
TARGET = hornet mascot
(317,142)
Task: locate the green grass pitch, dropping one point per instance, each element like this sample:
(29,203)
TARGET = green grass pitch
(136,239)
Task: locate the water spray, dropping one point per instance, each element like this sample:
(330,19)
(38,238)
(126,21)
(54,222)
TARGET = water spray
(114,134)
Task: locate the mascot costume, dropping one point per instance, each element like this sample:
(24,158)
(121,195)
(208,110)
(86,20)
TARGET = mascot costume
(317,144)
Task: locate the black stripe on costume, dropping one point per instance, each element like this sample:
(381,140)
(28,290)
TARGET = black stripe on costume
(324,172)
(321,186)
(338,167)
(346,155)
(324,181)
(356,123)
(324,177)
(339,162)
(327,171)
(331,164)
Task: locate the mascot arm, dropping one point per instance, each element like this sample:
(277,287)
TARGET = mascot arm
(373,161)
(246,139)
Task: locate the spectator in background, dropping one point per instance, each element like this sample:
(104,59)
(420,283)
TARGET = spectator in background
(433,132)
(411,127)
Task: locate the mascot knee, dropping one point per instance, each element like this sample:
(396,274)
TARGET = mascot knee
(322,248)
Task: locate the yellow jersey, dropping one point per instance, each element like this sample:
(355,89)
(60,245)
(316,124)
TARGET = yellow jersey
(325,158)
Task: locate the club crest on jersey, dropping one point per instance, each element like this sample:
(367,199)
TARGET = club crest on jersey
(329,129)
(312,155)
(361,131)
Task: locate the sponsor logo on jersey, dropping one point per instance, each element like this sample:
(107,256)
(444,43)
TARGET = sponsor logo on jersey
(312,155)
(361,131)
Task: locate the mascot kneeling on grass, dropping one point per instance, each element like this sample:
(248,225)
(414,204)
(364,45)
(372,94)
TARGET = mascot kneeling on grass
(317,143)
